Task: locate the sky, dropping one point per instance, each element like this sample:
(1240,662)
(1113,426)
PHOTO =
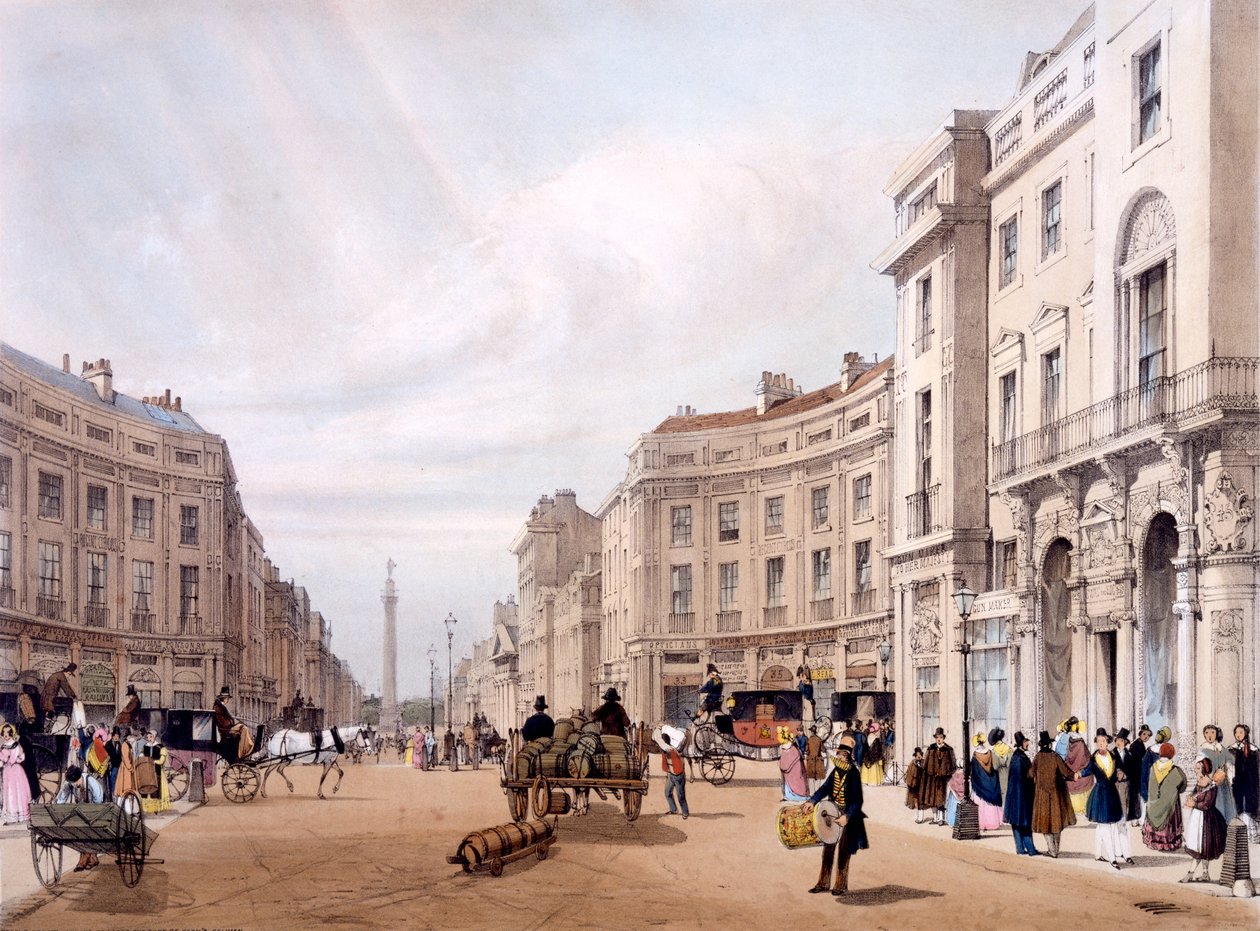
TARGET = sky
(421,263)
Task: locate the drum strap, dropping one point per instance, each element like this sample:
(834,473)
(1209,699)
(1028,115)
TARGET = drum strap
(837,788)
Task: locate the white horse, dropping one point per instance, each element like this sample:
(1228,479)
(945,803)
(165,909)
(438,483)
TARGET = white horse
(290,746)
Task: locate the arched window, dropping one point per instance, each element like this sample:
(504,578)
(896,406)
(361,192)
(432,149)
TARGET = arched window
(1145,265)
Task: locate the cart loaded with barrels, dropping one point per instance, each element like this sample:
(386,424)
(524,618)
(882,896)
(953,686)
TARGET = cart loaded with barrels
(539,775)
(110,829)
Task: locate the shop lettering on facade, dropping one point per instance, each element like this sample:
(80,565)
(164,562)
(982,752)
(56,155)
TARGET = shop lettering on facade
(995,604)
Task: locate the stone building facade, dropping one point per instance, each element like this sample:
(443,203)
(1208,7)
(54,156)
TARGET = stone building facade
(124,546)
(751,539)
(1120,379)
(493,687)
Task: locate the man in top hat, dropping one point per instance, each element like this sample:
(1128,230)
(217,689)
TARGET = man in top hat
(612,718)
(1052,806)
(1137,751)
(1131,765)
(711,692)
(58,684)
(131,710)
(230,730)
(938,768)
(843,786)
(539,724)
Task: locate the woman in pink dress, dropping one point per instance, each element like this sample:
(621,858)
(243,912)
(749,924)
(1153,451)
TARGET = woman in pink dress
(792,766)
(1078,759)
(17,790)
(417,749)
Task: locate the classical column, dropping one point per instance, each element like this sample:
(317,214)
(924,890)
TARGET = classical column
(1079,625)
(1186,726)
(1126,656)
(1027,676)
(389,691)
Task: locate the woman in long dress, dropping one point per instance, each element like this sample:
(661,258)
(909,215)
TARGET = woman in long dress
(792,767)
(954,796)
(1162,827)
(873,758)
(1002,753)
(986,790)
(1077,760)
(17,789)
(162,801)
(126,781)
(417,749)
(1205,828)
(1246,785)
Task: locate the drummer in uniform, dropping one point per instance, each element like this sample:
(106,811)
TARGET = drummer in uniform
(843,786)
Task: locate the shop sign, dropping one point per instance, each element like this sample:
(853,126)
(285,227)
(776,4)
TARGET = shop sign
(96,685)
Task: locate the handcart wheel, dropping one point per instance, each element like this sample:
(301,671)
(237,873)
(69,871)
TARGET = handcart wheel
(176,776)
(633,802)
(496,866)
(717,767)
(542,851)
(129,839)
(540,797)
(47,857)
(240,783)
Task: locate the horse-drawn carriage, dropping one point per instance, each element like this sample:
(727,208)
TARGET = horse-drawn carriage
(537,777)
(50,736)
(750,728)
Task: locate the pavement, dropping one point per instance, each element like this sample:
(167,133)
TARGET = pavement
(374,855)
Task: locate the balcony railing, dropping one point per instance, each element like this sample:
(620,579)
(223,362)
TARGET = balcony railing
(96,615)
(52,608)
(190,624)
(682,623)
(1218,384)
(1050,100)
(1007,139)
(863,601)
(822,610)
(143,622)
(6,597)
(728,621)
(775,617)
(923,512)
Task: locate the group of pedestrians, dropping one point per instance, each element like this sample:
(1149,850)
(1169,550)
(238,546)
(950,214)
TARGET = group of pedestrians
(421,752)
(1119,783)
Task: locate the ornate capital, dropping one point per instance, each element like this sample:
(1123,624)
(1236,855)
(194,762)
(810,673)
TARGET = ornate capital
(1123,618)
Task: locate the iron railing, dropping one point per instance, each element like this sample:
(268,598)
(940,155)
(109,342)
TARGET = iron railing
(775,617)
(143,621)
(822,610)
(96,615)
(728,621)
(923,512)
(52,608)
(863,601)
(682,623)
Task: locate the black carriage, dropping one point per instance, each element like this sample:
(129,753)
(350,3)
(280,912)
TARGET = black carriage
(191,734)
(750,728)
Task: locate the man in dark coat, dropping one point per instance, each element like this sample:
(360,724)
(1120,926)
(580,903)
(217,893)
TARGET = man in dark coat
(1105,809)
(1019,797)
(938,768)
(58,684)
(539,724)
(612,718)
(1138,784)
(1052,806)
(1131,766)
(843,786)
(711,694)
(1246,785)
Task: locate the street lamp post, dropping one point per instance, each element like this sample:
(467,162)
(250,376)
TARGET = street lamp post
(450,623)
(432,674)
(967,826)
(885,651)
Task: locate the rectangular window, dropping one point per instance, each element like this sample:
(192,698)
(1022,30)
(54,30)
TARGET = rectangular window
(142,518)
(1051,219)
(925,440)
(728,586)
(188,525)
(820,504)
(1008,416)
(774,582)
(728,521)
(50,570)
(822,574)
(144,449)
(48,415)
(988,671)
(6,561)
(100,434)
(680,525)
(925,202)
(862,565)
(184,458)
(927,681)
(141,586)
(1006,565)
(6,480)
(1008,242)
(96,569)
(923,334)
(186,699)
(859,422)
(774,514)
(1052,385)
(96,507)
(680,589)
(6,397)
(862,497)
(50,496)
(1152,304)
(1150,94)
(187,591)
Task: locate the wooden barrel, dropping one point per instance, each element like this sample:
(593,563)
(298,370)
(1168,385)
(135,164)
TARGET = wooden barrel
(559,804)
(614,766)
(591,727)
(564,728)
(527,757)
(552,763)
(611,743)
(581,763)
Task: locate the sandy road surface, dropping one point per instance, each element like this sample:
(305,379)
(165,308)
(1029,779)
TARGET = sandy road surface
(374,856)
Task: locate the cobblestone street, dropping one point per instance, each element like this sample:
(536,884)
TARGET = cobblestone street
(375,853)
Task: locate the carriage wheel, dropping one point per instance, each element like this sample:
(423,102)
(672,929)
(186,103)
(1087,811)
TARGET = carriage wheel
(175,772)
(46,856)
(717,767)
(540,797)
(632,801)
(823,726)
(706,738)
(240,783)
(48,770)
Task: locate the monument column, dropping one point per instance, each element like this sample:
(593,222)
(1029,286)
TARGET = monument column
(389,684)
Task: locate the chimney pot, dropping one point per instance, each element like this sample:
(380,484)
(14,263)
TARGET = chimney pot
(65,362)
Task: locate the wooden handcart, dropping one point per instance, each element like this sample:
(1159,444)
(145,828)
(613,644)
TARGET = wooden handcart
(490,849)
(109,829)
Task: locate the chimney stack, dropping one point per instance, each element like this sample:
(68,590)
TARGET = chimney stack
(772,389)
(853,368)
(100,376)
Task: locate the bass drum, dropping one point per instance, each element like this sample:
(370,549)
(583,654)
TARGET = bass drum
(797,828)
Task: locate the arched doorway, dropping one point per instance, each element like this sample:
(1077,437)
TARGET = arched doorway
(1056,635)
(1159,634)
